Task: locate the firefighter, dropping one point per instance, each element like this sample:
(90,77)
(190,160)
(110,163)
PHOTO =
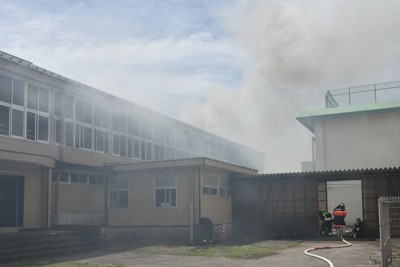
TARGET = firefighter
(339,214)
(358,229)
(206,230)
(326,223)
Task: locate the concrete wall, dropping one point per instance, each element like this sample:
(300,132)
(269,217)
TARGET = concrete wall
(218,209)
(358,141)
(141,204)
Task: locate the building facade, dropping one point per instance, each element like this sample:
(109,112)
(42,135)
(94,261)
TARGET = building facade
(56,131)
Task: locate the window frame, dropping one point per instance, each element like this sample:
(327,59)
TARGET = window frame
(166,189)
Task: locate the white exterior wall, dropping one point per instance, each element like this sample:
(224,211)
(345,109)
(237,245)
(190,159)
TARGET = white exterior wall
(358,141)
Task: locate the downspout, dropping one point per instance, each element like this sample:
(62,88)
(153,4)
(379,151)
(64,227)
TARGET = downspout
(49,196)
(191,210)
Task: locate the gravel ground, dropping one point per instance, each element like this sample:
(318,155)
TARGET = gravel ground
(361,253)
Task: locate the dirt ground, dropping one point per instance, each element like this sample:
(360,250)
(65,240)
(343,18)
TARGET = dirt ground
(361,253)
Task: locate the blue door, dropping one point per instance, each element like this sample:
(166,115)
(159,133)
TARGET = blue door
(11,200)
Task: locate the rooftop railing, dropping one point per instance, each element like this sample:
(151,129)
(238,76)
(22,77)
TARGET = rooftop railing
(365,94)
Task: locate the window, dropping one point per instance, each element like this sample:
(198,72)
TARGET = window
(17,123)
(165,192)
(118,193)
(4,120)
(225,188)
(5,89)
(210,186)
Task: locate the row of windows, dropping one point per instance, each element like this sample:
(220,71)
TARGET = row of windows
(164,193)
(165,189)
(78,178)
(81,124)
(211,187)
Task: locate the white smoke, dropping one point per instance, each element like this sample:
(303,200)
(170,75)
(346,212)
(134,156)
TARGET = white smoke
(299,50)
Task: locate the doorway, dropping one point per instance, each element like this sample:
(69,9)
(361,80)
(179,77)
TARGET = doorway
(11,200)
(349,193)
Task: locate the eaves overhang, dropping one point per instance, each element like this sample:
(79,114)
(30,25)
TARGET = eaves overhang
(308,118)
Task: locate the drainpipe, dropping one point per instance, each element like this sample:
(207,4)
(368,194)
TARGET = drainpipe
(191,217)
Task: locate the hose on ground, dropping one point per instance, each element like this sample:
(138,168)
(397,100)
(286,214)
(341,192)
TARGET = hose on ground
(307,251)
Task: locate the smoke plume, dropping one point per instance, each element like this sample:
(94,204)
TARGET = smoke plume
(299,49)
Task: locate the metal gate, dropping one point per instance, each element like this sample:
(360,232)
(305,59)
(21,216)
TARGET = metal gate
(389,230)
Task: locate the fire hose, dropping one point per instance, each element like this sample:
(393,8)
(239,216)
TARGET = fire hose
(307,251)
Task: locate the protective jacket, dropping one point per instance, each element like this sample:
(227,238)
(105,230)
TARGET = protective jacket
(339,213)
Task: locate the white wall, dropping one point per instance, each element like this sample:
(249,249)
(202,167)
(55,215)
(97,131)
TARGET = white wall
(358,141)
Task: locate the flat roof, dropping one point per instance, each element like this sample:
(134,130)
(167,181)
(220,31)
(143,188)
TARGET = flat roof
(307,118)
(178,163)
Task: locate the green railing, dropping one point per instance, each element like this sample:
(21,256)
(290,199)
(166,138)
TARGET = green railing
(365,94)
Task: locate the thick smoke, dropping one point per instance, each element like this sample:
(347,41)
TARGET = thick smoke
(299,50)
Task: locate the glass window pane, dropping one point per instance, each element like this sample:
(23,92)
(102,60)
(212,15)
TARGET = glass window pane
(122,146)
(58,131)
(123,199)
(18,92)
(5,89)
(83,179)
(43,128)
(77,136)
(74,178)
(68,107)
(88,113)
(33,92)
(114,199)
(173,197)
(100,180)
(97,116)
(4,120)
(43,100)
(116,144)
(87,134)
(165,182)
(64,177)
(104,118)
(31,126)
(17,122)
(149,151)
(136,148)
(79,111)
(58,104)
(115,123)
(160,197)
(92,179)
(100,140)
(69,134)
(214,191)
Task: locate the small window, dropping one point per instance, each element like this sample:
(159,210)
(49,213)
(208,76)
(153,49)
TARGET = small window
(83,178)
(43,133)
(118,199)
(44,100)
(75,178)
(210,186)
(18,93)
(165,192)
(31,126)
(64,178)
(17,123)
(92,179)
(33,92)
(5,89)
(118,193)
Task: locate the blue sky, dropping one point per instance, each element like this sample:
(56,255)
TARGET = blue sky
(241,69)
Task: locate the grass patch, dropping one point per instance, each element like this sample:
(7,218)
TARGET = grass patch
(227,251)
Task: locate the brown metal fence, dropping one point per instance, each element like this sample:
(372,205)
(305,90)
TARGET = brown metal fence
(389,230)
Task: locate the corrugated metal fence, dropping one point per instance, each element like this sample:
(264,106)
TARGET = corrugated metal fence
(389,230)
